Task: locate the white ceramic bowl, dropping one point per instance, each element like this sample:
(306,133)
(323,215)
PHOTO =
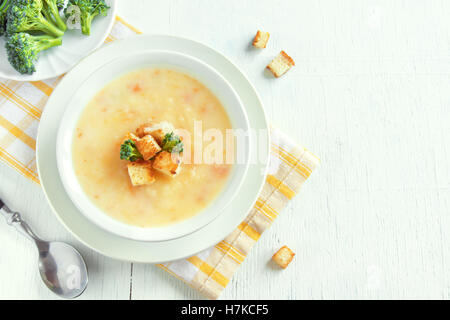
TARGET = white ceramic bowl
(95,82)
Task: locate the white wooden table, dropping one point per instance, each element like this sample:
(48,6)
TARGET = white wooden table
(370,95)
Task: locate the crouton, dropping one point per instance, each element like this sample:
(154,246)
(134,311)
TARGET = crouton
(131,136)
(168,163)
(141,173)
(148,147)
(261,39)
(283,257)
(144,129)
(281,64)
(156,130)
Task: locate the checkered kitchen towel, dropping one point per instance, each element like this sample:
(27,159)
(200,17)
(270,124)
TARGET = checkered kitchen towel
(21,105)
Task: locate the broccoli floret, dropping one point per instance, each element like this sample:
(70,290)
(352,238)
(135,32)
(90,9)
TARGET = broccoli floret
(89,9)
(129,151)
(51,13)
(4,5)
(23,50)
(172,143)
(26,15)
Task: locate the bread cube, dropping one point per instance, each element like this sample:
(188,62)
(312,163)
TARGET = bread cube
(141,173)
(156,130)
(283,257)
(131,136)
(261,39)
(281,64)
(144,129)
(148,147)
(168,163)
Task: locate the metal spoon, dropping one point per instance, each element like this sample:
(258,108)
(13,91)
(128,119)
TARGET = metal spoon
(62,268)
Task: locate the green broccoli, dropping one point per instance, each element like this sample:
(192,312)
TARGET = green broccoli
(23,50)
(51,13)
(4,5)
(129,151)
(89,9)
(172,143)
(26,15)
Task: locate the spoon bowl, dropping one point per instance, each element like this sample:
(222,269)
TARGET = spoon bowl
(61,266)
(62,269)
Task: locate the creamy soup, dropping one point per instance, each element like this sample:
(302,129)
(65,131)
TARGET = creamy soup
(121,107)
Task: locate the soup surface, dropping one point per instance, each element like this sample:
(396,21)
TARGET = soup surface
(121,107)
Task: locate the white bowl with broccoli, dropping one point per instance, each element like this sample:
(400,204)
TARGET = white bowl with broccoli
(43,39)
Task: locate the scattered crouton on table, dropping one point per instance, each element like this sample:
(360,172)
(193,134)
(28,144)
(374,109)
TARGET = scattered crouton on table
(261,39)
(281,64)
(167,163)
(283,257)
(141,173)
(148,147)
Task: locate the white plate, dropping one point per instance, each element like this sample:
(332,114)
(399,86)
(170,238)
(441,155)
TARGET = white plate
(58,60)
(138,251)
(97,81)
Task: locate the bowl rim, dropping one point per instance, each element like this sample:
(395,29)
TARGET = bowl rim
(100,217)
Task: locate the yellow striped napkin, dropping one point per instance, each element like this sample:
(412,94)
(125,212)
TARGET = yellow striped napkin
(21,105)
(211,270)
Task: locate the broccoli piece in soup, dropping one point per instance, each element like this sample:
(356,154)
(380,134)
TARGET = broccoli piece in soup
(23,50)
(172,143)
(89,9)
(129,151)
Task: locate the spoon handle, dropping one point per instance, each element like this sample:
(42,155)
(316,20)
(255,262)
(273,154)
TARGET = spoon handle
(14,219)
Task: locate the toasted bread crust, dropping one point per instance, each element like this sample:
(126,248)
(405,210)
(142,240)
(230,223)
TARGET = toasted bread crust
(141,173)
(142,130)
(281,64)
(167,163)
(283,257)
(148,147)
(260,40)
(131,136)
(288,58)
(156,130)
